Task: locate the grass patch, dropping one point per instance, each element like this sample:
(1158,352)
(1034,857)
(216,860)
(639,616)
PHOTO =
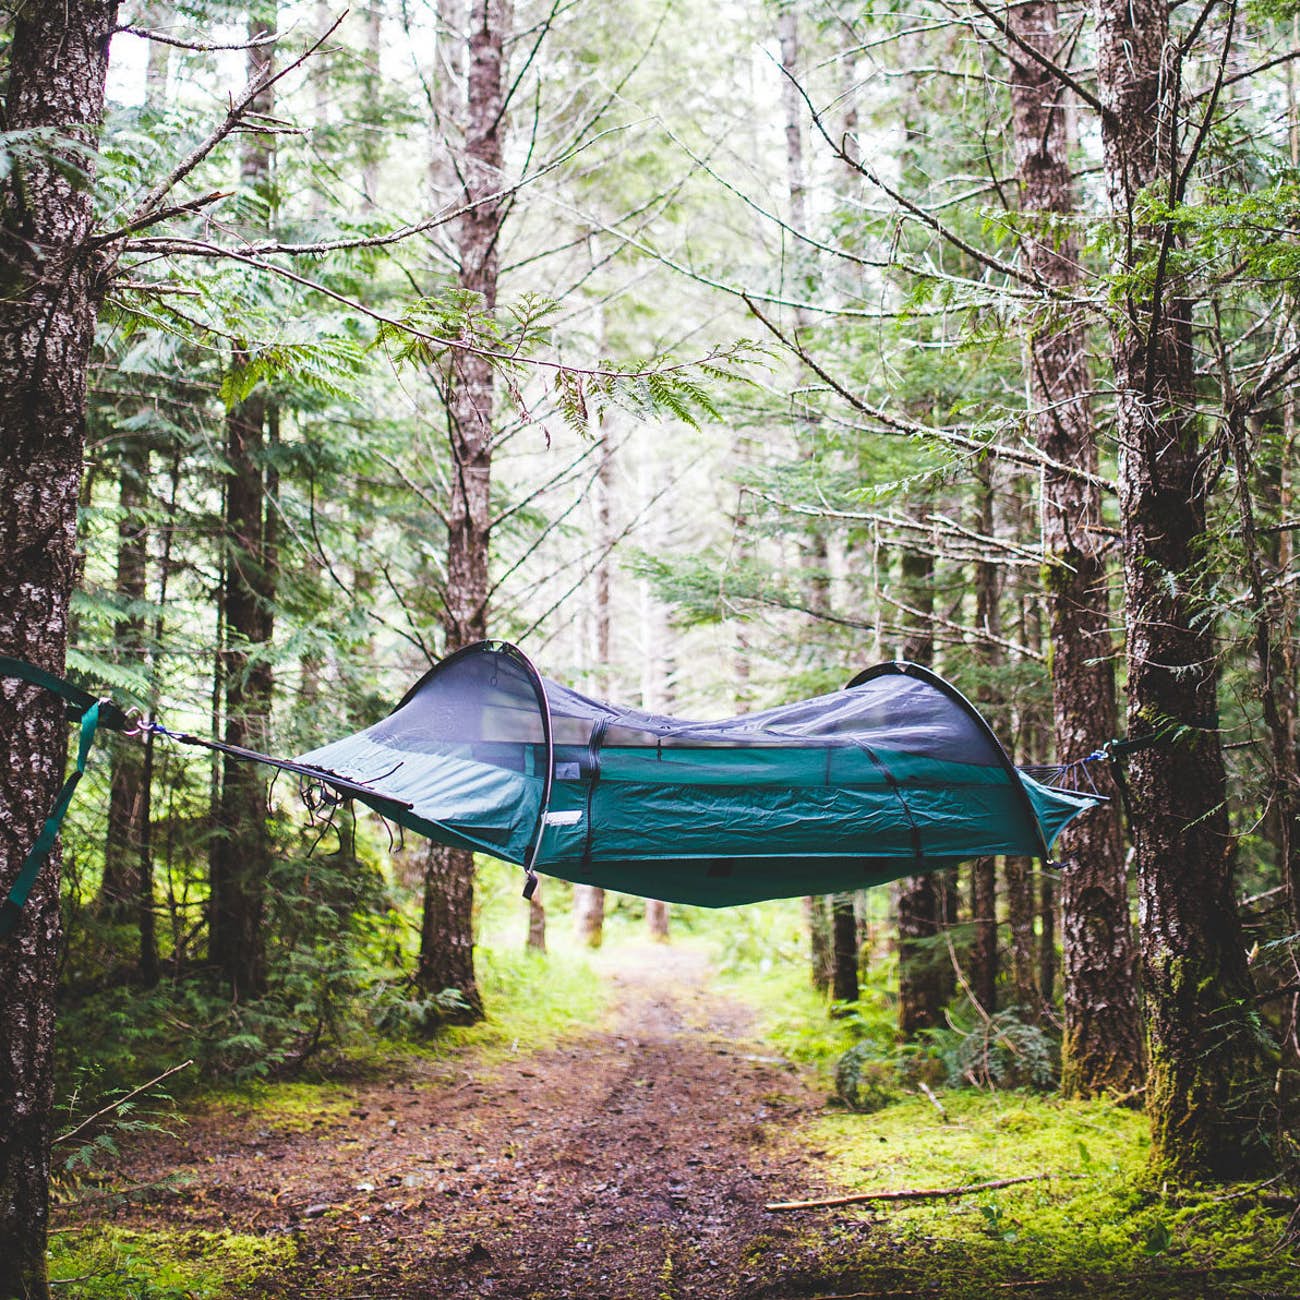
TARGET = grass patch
(109,1263)
(533,1001)
(1094,1226)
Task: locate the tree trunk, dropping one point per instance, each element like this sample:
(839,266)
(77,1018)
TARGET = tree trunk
(589,900)
(1018,878)
(983,894)
(119,886)
(923,965)
(656,919)
(984,946)
(589,914)
(241,851)
(819,941)
(49,291)
(1046,937)
(126,845)
(1204,1053)
(844,941)
(470,399)
(1102,1047)
(536,921)
(447,933)
(820,911)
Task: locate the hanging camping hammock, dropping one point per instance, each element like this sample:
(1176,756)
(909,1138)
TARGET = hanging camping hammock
(898,774)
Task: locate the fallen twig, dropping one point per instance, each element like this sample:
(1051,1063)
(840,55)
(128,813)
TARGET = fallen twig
(907,1194)
(121,1101)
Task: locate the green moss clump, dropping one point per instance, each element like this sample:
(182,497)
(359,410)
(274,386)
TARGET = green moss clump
(1090,1222)
(157,1264)
(286,1107)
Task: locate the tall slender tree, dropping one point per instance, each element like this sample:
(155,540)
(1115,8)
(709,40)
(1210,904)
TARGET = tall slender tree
(51,280)
(241,851)
(922,981)
(446,941)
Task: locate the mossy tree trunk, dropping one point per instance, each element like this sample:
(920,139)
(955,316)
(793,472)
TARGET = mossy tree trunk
(1204,1053)
(1102,1046)
(50,285)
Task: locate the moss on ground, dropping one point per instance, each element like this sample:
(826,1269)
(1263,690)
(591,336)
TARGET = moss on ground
(1091,1224)
(109,1263)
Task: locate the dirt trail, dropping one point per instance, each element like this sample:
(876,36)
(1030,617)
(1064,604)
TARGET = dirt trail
(630,1163)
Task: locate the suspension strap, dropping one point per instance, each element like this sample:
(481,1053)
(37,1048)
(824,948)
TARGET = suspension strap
(78,700)
(12,908)
(83,707)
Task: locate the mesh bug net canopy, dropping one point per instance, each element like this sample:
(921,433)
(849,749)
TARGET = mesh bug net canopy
(897,774)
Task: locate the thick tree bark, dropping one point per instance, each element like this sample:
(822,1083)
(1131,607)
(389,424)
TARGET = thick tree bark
(1102,1047)
(241,852)
(447,934)
(447,949)
(49,290)
(1204,1054)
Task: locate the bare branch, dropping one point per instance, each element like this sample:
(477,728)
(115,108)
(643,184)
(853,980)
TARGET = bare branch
(925,217)
(1031,457)
(1063,75)
(239,106)
(198,247)
(200,47)
(910,1194)
(163,214)
(119,1103)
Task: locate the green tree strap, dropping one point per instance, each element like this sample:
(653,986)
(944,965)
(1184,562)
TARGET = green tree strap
(31,868)
(78,700)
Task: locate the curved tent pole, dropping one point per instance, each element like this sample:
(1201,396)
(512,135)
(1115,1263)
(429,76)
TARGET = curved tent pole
(511,650)
(544,708)
(905,668)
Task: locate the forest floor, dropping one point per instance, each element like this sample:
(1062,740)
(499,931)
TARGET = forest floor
(630,1160)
